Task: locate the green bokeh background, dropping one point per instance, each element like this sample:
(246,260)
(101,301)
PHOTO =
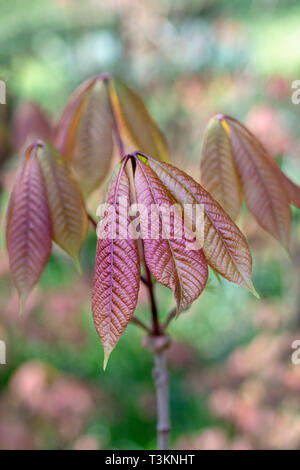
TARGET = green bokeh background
(189,60)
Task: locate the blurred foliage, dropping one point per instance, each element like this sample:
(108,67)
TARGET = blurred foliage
(231,373)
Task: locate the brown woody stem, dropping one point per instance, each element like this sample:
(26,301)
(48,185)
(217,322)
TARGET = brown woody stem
(139,323)
(155,321)
(158,343)
(170,317)
(158,346)
(161,380)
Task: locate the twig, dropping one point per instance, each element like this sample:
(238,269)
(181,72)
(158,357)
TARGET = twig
(138,322)
(144,280)
(170,317)
(91,219)
(155,321)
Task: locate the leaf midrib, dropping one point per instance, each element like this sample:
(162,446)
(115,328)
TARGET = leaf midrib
(168,241)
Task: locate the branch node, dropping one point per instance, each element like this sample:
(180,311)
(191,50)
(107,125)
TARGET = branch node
(157,344)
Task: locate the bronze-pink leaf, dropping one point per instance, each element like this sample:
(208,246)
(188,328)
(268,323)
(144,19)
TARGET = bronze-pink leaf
(29,230)
(218,172)
(117,268)
(30,123)
(84,135)
(69,121)
(225,247)
(169,258)
(292,189)
(264,191)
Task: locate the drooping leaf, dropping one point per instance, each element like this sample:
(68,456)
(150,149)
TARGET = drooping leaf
(67,210)
(293,191)
(28,231)
(85,134)
(262,185)
(135,121)
(225,247)
(68,124)
(265,187)
(167,255)
(117,268)
(219,175)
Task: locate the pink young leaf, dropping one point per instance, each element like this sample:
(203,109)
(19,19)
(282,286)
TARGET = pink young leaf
(225,247)
(117,269)
(172,262)
(28,231)
(85,134)
(261,181)
(30,123)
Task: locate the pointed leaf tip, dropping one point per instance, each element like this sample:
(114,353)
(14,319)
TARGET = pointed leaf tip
(22,302)
(288,254)
(77,264)
(256,294)
(107,353)
(254,291)
(217,276)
